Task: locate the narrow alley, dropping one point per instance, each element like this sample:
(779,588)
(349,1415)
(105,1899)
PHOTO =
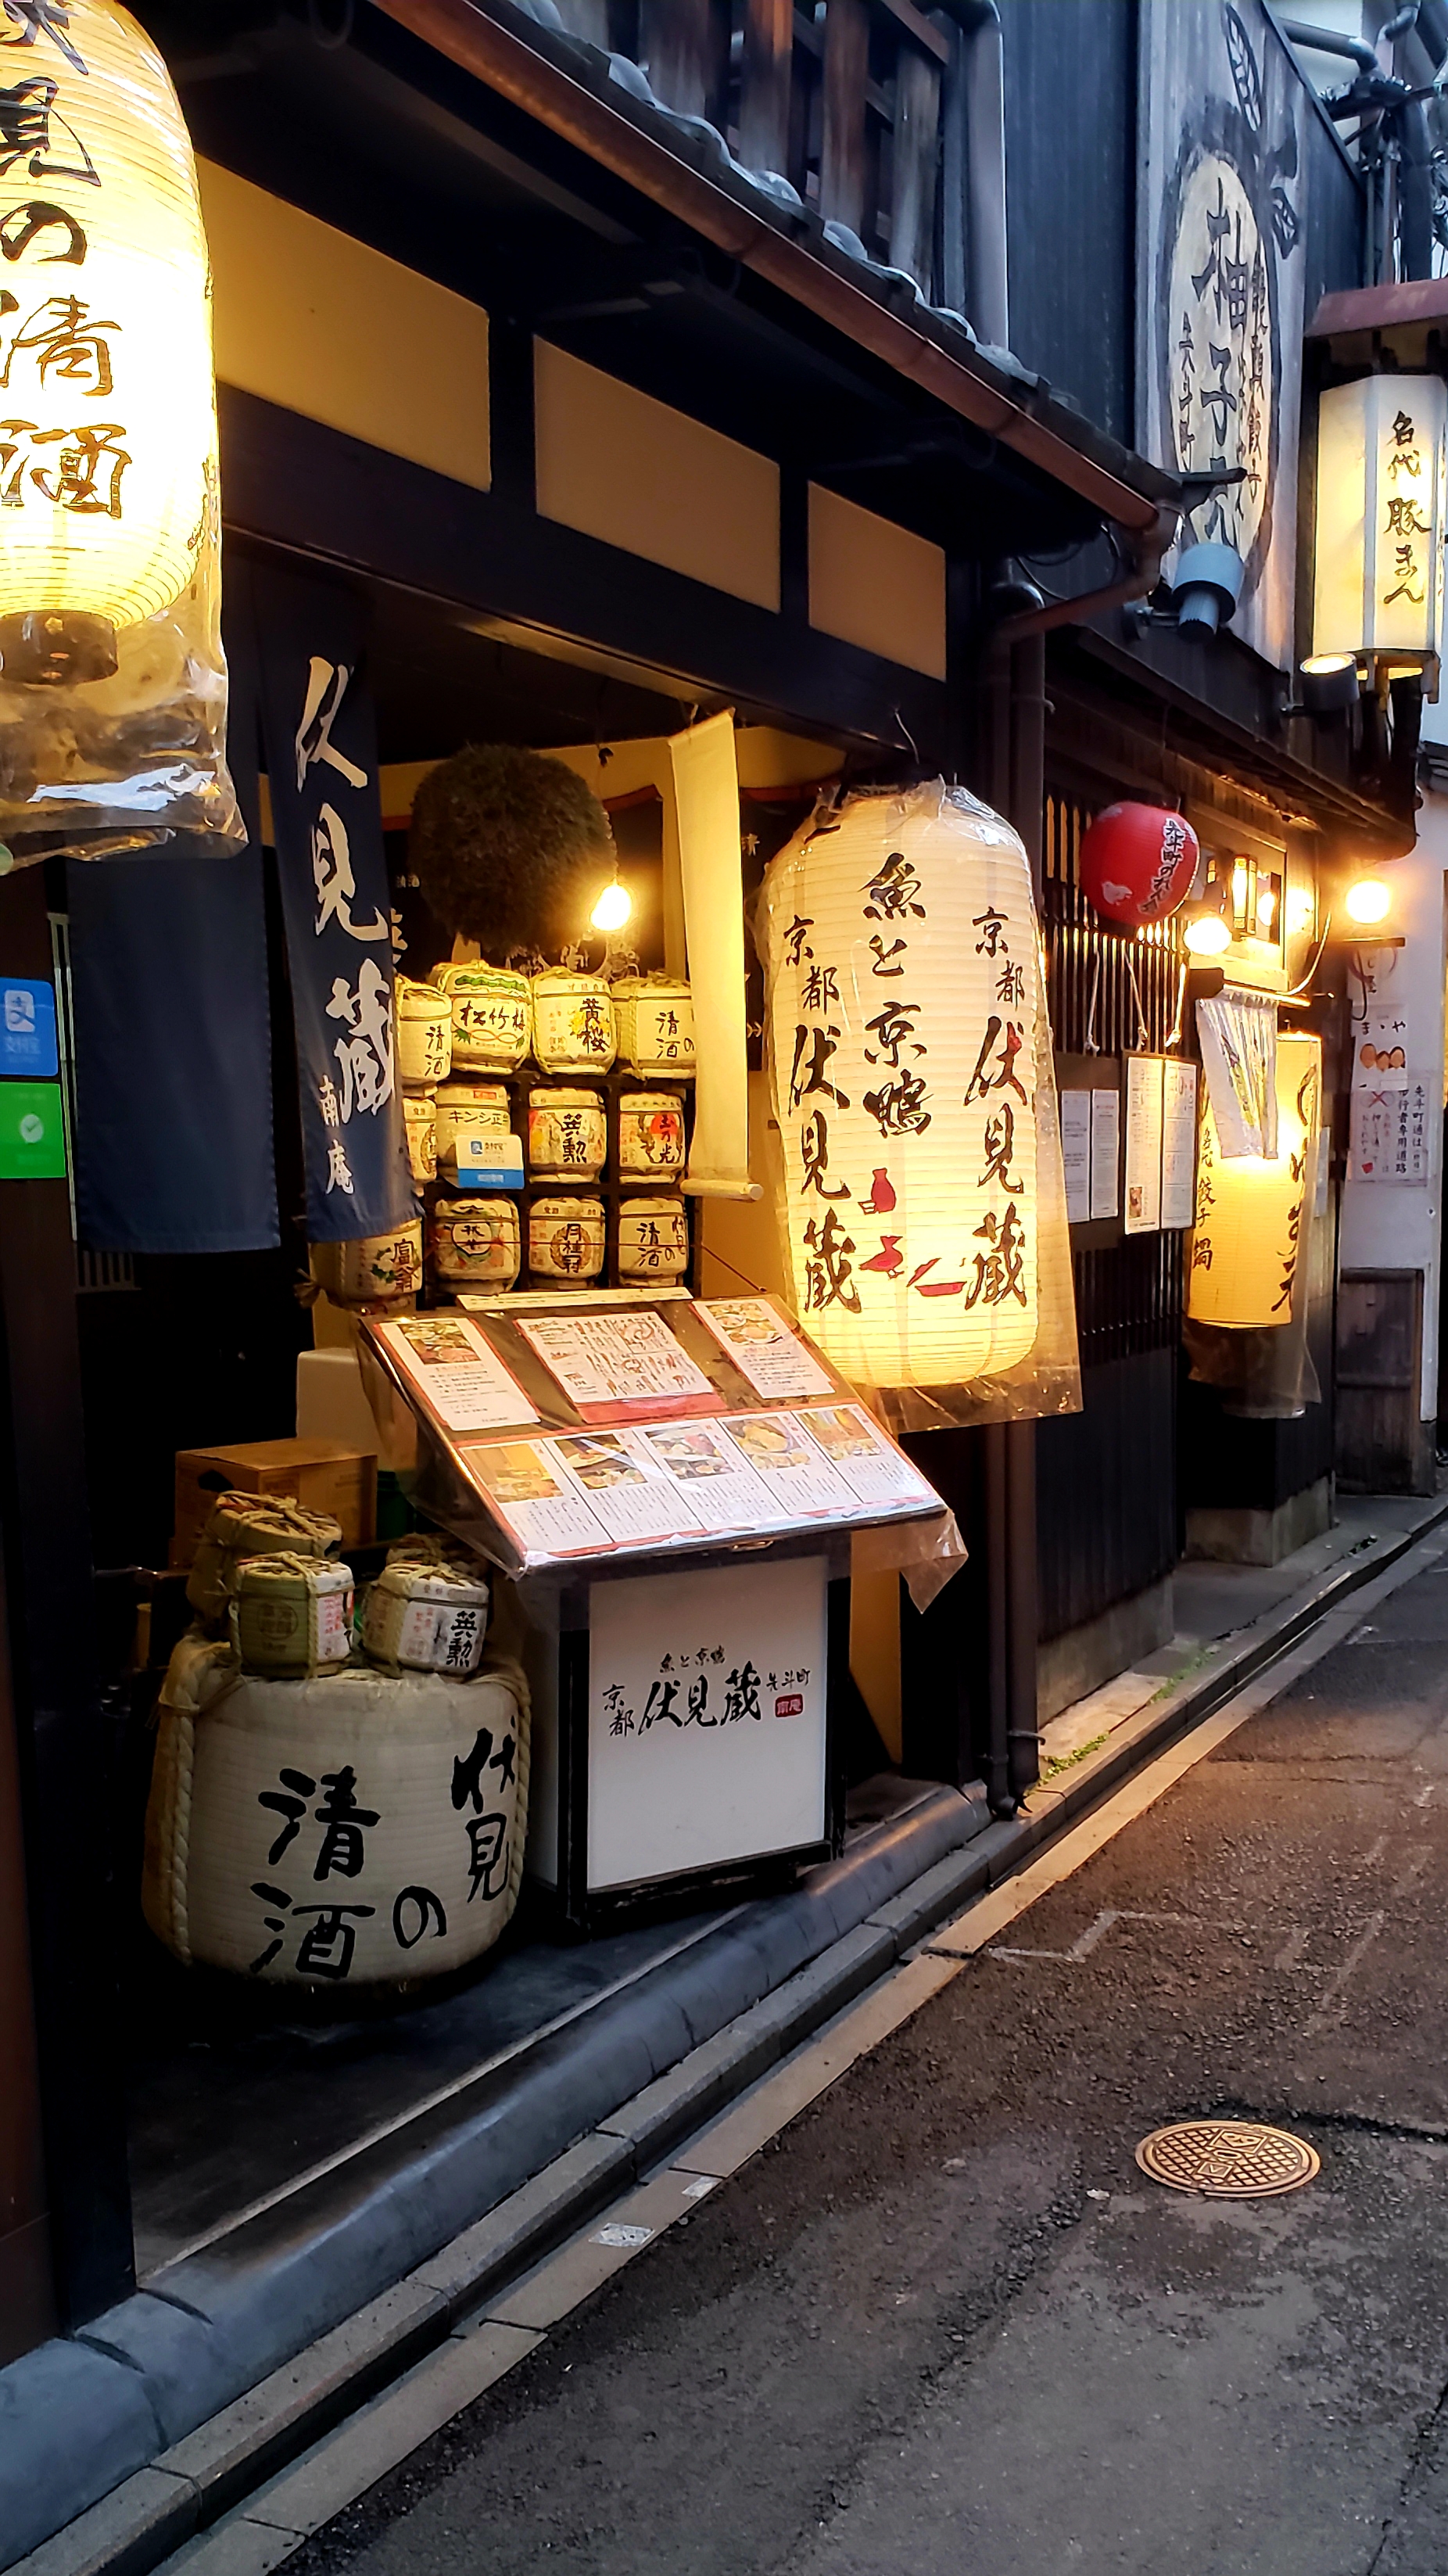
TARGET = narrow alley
(945,2324)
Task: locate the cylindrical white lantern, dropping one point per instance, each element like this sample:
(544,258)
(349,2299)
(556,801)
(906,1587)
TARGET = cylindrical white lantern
(1380,516)
(903,999)
(107,448)
(1246,1241)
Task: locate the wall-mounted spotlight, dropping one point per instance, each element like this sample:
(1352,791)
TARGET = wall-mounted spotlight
(1368,902)
(1206,933)
(1329,684)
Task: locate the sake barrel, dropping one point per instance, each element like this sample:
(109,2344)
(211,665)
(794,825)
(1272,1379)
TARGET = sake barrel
(566,1238)
(655,1025)
(653,1239)
(492,1019)
(293,1615)
(573,1022)
(476,1243)
(246,1525)
(419,1115)
(424,1033)
(426,1618)
(373,1270)
(650,1134)
(469,1108)
(352,1830)
(567,1135)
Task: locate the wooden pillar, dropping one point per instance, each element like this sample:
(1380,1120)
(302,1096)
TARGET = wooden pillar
(842,144)
(765,88)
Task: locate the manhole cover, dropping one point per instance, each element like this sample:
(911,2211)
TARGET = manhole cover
(1227,2159)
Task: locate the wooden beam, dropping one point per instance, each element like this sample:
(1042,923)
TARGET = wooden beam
(843,160)
(916,161)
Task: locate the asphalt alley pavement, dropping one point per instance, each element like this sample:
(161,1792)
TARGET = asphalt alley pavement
(943,2323)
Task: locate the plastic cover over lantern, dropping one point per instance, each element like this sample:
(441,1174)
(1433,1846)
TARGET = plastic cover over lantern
(911,1070)
(112,681)
(1246,1242)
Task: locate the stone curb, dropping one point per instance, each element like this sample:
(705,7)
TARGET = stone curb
(189,2485)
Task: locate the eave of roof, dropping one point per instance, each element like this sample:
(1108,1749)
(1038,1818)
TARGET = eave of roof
(602,104)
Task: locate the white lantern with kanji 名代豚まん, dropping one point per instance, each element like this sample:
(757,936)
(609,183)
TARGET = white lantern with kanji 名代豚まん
(1250,1208)
(1381,445)
(903,1007)
(107,453)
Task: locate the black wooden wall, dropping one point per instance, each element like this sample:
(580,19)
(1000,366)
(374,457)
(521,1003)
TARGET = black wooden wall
(1070,75)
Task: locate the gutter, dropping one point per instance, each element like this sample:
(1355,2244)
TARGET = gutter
(520,70)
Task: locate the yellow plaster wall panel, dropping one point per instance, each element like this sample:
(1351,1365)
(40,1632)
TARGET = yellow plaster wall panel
(875,1654)
(876,585)
(311,319)
(617,465)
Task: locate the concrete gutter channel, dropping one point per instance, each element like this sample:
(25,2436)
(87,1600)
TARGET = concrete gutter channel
(168,2412)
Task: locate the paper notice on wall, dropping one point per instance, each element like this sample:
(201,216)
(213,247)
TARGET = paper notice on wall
(1143,1143)
(1381,1034)
(1105,1153)
(1076,1154)
(1178,1144)
(456,1373)
(1392,1129)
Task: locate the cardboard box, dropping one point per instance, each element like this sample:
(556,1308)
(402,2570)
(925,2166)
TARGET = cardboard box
(323,1475)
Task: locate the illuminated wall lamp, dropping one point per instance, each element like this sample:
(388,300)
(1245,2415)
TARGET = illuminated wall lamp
(1329,683)
(1367,902)
(1206,934)
(1379,536)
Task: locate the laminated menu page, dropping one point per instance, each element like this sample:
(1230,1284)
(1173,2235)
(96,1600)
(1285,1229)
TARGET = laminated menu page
(455,1372)
(792,1468)
(535,1498)
(764,1350)
(617,1365)
(707,1466)
(871,1466)
(627,1486)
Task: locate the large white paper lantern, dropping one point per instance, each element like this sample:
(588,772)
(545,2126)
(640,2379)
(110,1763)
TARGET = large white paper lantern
(1380,500)
(1245,1246)
(107,409)
(903,1001)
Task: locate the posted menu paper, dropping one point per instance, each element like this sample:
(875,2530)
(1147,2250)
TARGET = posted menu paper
(762,1347)
(456,1373)
(723,1492)
(874,1472)
(612,1366)
(1076,1154)
(1143,1143)
(1178,1145)
(793,1469)
(628,1488)
(1105,1153)
(535,1499)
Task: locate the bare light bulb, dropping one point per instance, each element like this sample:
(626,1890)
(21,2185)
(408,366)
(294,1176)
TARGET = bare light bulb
(1300,907)
(1207,935)
(1368,901)
(612,908)
(1266,906)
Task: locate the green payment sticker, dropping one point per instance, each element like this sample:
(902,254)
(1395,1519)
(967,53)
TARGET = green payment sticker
(32,1132)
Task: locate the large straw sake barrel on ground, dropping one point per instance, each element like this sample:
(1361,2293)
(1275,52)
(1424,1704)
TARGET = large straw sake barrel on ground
(357,1829)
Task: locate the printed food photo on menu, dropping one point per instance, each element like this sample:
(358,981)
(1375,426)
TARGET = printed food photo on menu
(770,1443)
(600,1460)
(518,1474)
(840,1434)
(690,1454)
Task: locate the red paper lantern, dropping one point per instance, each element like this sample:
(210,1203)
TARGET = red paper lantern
(1138,862)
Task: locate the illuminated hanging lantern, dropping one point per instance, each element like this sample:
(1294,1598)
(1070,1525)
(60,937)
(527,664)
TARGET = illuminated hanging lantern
(1250,1208)
(1380,526)
(105,341)
(903,1008)
(1138,862)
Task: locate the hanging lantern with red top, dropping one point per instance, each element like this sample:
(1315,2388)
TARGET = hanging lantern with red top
(1138,862)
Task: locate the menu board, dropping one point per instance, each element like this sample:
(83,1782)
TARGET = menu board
(457,1374)
(796,1473)
(874,1471)
(536,1499)
(613,1367)
(763,1349)
(1143,1143)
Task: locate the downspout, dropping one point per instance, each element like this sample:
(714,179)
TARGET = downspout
(989,308)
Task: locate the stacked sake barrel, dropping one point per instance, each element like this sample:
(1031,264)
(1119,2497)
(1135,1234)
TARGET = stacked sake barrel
(339,1796)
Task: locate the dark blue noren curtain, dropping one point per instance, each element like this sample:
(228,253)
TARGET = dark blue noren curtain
(173,1148)
(319,743)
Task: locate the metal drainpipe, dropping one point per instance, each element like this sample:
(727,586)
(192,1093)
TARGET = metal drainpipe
(982,77)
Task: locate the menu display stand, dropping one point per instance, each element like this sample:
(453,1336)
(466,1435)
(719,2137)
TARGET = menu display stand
(672,1487)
